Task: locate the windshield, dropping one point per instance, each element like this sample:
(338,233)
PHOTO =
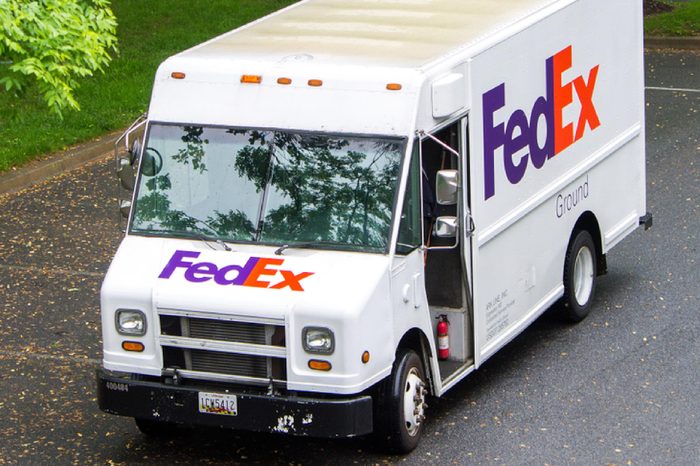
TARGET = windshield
(273,187)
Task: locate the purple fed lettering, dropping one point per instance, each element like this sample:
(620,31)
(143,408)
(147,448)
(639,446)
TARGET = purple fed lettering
(242,273)
(177,261)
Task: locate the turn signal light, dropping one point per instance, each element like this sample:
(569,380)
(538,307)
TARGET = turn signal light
(132,346)
(251,79)
(177,75)
(319,365)
(315,83)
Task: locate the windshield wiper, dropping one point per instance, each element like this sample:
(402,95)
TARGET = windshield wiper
(306,245)
(191,234)
(206,241)
(202,237)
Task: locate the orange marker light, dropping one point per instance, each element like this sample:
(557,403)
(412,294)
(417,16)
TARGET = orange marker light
(132,346)
(315,83)
(394,87)
(285,81)
(177,75)
(318,365)
(365,357)
(251,79)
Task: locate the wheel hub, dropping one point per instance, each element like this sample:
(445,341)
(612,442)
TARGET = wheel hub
(583,275)
(414,404)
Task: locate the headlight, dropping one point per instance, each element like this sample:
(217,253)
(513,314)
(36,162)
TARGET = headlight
(318,340)
(131,322)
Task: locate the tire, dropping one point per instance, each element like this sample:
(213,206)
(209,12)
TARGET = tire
(579,276)
(401,414)
(156,429)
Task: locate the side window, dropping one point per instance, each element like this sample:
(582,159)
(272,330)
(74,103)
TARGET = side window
(410,227)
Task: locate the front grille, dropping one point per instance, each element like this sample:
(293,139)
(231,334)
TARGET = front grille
(242,352)
(231,364)
(227,331)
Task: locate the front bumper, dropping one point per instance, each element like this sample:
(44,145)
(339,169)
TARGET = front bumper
(316,417)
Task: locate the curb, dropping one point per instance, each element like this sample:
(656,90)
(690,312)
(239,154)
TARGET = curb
(679,43)
(54,164)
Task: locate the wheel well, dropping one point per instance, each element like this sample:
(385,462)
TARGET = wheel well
(416,340)
(588,222)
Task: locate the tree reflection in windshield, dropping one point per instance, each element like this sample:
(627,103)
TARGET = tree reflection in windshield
(194,148)
(271,187)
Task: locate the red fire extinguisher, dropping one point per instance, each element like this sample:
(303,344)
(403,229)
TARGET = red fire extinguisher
(443,328)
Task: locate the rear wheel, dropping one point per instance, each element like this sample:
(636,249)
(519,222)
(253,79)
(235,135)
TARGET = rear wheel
(402,418)
(579,276)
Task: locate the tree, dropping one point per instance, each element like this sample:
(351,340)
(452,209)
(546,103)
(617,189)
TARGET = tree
(52,44)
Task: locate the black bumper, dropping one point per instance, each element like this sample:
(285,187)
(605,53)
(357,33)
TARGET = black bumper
(316,417)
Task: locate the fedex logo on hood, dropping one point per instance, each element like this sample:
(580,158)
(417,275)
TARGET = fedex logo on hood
(257,272)
(520,130)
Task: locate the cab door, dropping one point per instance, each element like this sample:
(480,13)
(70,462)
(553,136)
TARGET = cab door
(447,228)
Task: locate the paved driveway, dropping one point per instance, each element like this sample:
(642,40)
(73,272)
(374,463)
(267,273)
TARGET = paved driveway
(620,388)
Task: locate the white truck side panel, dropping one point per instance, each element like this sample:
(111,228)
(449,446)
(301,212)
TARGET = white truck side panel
(524,222)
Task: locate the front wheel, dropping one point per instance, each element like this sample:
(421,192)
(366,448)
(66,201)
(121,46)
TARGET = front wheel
(579,276)
(403,404)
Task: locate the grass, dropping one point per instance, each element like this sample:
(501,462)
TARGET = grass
(149,31)
(684,20)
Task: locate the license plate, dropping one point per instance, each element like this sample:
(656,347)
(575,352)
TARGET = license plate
(218,403)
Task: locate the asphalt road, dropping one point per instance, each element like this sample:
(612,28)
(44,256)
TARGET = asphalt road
(620,388)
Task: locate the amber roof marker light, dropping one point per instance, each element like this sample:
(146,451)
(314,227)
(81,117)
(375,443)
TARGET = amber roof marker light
(177,75)
(394,87)
(251,79)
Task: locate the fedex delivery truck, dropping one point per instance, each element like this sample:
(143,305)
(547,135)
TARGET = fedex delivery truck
(348,206)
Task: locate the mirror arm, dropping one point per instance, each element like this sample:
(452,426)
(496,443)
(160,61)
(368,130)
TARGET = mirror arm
(422,134)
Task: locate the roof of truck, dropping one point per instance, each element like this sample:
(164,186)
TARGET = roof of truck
(403,33)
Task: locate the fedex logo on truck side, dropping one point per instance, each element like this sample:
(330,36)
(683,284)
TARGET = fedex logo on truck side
(520,131)
(252,273)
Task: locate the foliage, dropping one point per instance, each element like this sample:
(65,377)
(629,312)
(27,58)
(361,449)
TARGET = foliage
(684,20)
(54,43)
(148,32)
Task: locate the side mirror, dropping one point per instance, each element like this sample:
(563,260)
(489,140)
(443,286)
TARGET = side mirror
(446,227)
(125,172)
(152,162)
(134,152)
(447,187)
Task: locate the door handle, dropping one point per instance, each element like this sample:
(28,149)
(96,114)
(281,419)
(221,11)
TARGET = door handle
(469,224)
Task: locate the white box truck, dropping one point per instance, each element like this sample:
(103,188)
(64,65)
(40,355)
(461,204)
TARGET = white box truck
(350,205)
